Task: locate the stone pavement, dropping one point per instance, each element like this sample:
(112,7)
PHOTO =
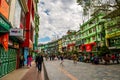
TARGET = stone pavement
(81,71)
(25,74)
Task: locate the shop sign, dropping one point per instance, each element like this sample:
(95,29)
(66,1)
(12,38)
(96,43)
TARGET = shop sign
(16,32)
(88,48)
(4,8)
(112,35)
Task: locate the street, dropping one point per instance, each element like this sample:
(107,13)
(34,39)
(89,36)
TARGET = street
(81,71)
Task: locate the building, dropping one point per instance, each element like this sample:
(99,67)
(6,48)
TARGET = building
(36,32)
(12,18)
(112,26)
(29,29)
(91,33)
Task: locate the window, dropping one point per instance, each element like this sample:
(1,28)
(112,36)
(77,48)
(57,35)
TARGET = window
(90,31)
(94,29)
(93,38)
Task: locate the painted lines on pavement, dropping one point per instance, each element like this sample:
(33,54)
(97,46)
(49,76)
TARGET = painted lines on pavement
(65,72)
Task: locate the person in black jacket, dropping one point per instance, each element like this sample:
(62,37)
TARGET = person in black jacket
(39,61)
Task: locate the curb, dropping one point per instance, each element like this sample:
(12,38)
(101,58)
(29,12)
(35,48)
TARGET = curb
(45,72)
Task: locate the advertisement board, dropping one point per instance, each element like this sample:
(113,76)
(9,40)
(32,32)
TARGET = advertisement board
(16,32)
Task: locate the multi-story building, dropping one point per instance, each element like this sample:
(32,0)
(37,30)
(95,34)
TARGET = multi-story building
(91,33)
(112,26)
(4,39)
(29,29)
(12,30)
(68,41)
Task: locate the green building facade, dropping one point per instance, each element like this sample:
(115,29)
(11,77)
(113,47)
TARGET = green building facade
(91,33)
(112,26)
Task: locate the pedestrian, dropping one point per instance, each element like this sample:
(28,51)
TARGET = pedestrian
(22,59)
(29,60)
(39,62)
(36,60)
(113,58)
(117,58)
(61,58)
(75,59)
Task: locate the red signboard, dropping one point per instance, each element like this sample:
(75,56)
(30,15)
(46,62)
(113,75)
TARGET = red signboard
(88,48)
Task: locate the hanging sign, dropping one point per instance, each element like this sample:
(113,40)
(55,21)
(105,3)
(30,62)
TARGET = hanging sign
(16,32)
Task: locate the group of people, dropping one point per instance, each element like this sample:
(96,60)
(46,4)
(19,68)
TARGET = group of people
(29,60)
(38,61)
(95,59)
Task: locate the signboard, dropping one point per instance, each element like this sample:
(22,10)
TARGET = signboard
(16,32)
(88,48)
(4,8)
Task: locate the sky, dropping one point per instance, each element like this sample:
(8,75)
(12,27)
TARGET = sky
(57,17)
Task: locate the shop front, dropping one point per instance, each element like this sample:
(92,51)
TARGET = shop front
(7,55)
(87,48)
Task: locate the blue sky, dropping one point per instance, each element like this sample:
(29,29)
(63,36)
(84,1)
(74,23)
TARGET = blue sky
(45,39)
(57,17)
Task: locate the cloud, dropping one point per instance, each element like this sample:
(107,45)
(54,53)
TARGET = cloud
(57,17)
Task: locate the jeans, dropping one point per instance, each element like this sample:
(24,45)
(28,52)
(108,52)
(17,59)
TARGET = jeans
(39,65)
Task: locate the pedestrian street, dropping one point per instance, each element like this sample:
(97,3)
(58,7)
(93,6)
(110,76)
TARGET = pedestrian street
(81,71)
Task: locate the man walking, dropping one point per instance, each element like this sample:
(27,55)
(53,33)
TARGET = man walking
(39,61)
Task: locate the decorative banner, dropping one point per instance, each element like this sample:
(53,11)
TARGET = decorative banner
(4,40)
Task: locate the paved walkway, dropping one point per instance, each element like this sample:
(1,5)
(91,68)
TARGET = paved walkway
(81,71)
(25,74)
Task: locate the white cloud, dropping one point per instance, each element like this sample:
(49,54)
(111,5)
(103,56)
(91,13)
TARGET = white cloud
(62,16)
